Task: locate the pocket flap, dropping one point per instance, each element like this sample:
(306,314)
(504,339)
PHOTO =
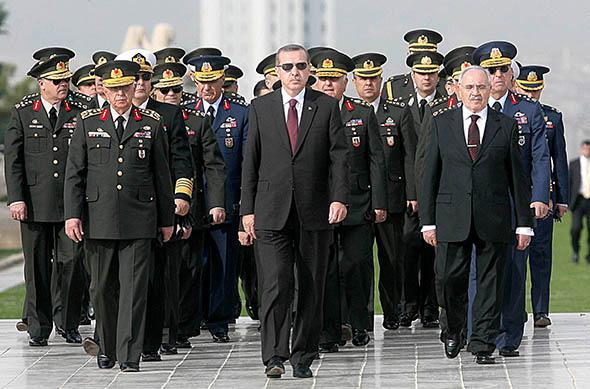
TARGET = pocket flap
(97,143)
(263,186)
(91,194)
(145,194)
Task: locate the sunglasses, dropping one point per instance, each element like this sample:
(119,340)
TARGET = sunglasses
(503,69)
(57,82)
(175,89)
(145,76)
(289,66)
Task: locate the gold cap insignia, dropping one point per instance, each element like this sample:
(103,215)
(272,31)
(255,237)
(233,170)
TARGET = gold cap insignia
(61,66)
(328,63)
(116,73)
(206,67)
(368,64)
(168,74)
(52,55)
(426,60)
(140,59)
(495,53)
(101,60)
(532,76)
(170,59)
(422,39)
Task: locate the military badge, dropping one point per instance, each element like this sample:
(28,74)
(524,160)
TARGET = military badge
(549,124)
(521,140)
(495,53)
(368,64)
(116,73)
(356,142)
(532,76)
(521,118)
(426,60)
(141,153)
(390,141)
(229,142)
(327,63)
(422,39)
(389,122)
(206,67)
(168,74)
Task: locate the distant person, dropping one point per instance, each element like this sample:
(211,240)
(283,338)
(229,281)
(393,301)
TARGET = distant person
(580,197)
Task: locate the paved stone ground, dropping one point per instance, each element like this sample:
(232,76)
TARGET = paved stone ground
(556,357)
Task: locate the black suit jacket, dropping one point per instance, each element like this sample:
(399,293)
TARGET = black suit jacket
(575,178)
(457,191)
(314,176)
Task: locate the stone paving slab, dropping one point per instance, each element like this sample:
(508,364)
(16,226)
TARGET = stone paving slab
(556,357)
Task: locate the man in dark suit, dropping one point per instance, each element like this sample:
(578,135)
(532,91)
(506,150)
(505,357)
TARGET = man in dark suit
(294,189)
(472,170)
(579,182)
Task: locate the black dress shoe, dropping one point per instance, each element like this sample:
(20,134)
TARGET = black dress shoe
(85,320)
(183,342)
(220,337)
(330,347)
(406,319)
(129,367)
(302,371)
(453,344)
(105,362)
(37,341)
(484,358)
(60,331)
(275,368)
(360,338)
(203,325)
(22,325)
(73,336)
(391,323)
(252,312)
(430,322)
(152,356)
(542,320)
(346,331)
(168,349)
(90,346)
(509,353)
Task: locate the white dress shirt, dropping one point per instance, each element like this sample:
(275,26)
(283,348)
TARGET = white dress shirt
(215,105)
(47,105)
(501,100)
(428,98)
(375,104)
(142,105)
(584,174)
(125,115)
(101,100)
(299,106)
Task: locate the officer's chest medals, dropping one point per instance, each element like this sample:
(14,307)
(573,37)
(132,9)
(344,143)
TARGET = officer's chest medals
(521,120)
(389,124)
(228,125)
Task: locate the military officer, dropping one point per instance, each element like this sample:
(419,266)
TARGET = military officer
(230,124)
(260,89)
(184,279)
(496,57)
(37,142)
(232,74)
(353,247)
(267,67)
(189,99)
(399,147)
(118,193)
(531,83)
(84,80)
(100,99)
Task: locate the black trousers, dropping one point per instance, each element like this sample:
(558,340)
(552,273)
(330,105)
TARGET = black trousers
(172,292)
(45,246)
(390,252)
(277,253)
(120,272)
(581,211)
(247,273)
(453,260)
(190,281)
(333,298)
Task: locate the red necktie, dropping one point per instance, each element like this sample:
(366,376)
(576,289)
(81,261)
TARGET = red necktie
(292,125)
(473,137)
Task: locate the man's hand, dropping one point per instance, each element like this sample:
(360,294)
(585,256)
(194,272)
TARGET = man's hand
(380,215)
(541,209)
(523,241)
(244,238)
(248,223)
(166,233)
(182,207)
(218,214)
(74,230)
(413,205)
(18,211)
(430,237)
(561,210)
(338,212)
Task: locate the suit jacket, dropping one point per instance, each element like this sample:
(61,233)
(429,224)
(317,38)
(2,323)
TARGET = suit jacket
(458,192)
(119,187)
(313,177)
(558,154)
(35,157)
(575,181)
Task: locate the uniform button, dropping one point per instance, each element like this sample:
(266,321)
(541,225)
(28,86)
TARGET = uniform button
(55,135)
(56,174)
(54,148)
(119,173)
(151,198)
(55,161)
(121,147)
(120,159)
(35,135)
(119,187)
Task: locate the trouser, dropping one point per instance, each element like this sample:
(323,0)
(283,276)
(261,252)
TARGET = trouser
(44,243)
(391,255)
(172,291)
(333,296)
(277,252)
(540,262)
(453,262)
(67,285)
(247,271)
(191,273)
(120,271)
(156,298)
(581,211)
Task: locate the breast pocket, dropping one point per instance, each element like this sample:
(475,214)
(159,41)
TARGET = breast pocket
(99,150)
(36,141)
(140,150)
(389,136)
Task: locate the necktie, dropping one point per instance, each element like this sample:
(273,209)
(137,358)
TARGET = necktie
(473,137)
(292,125)
(53,117)
(586,181)
(211,112)
(120,128)
(422,105)
(105,104)
(497,106)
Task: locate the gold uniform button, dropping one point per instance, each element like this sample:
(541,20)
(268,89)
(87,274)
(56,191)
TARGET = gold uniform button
(121,147)
(56,174)
(55,135)
(120,159)
(55,161)
(35,135)
(54,148)
(119,187)
(119,173)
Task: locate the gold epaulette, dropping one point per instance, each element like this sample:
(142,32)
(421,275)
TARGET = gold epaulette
(445,109)
(90,112)
(545,106)
(184,186)
(150,113)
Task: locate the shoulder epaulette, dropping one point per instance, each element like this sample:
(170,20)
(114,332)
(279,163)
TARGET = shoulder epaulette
(440,100)
(31,96)
(399,102)
(150,113)
(238,101)
(445,109)
(525,97)
(80,96)
(24,103)
(90,112)
(396,77)
(395,100)
(550,108)
(359,102)
(191,111)
(78,104)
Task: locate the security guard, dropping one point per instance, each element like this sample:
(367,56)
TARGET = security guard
(189,99)
(183,278)
(118,193)
(84,80)
(497,56)
(399,147)
(353,244)
(402,85)
(230,124)
(531,83)
(99,58)
(37,143)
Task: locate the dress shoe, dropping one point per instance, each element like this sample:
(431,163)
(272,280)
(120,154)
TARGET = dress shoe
(60,331)
(509,353)
(406,319)
(105,362)
(360,338)
(203,325)
(542,320)
(220,337)
(129,367)
(575,258)
(252,312)
(391,323)
(152,356)
(168,349)
(302,371)
(453,345)
(330,347)
(84,320)
(346,331)
(430,322)
(91,313)
(183,342)
(274,368)
(37,341)
(90,346)
(73,336)
(484,358)
(22,325)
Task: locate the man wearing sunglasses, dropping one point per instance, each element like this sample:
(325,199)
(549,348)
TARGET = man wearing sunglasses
(37,144)
(497,57)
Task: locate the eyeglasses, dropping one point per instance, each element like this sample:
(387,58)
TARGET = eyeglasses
(57,82)
(145,76)
(175,89)
(289,66)
(479,88)
(503,69)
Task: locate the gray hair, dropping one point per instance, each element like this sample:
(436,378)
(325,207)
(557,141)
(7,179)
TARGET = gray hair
(291,47)
(474,68)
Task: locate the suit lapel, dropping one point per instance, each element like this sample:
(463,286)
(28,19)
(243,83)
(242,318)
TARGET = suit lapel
(459,132)
(309,109)
(491,129)
(131,126)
